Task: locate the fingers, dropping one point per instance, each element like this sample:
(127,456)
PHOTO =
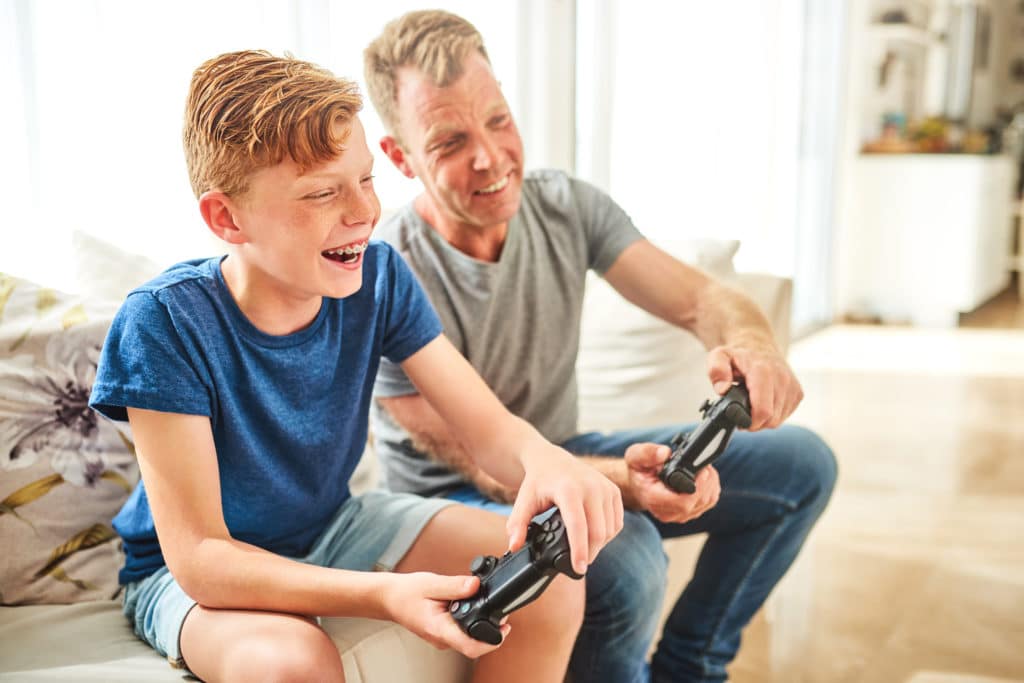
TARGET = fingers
(669,506)
(577,529)
(451,587)
(450,635)
(720,369)
(646,456)
(522,512)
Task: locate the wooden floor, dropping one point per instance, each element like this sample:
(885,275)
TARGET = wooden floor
(915,573)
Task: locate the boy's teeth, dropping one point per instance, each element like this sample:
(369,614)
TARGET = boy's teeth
(357,249)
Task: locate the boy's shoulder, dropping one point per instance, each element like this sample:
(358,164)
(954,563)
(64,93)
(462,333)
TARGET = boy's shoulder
(202,269)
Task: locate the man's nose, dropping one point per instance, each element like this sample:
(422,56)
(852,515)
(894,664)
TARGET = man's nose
(486,153)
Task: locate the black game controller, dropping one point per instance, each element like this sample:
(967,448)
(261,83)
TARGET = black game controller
(515,579)
(693,450)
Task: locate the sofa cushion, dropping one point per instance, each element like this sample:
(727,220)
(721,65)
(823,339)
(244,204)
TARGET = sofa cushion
(93,642)
(64,472)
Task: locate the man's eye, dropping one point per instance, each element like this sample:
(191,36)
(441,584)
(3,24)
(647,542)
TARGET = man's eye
(368,179)
(319,195)
(445,145)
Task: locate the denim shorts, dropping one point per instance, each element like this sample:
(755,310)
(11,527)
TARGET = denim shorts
(372,531)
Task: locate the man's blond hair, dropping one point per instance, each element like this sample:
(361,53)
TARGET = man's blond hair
(433,42)
(250,110)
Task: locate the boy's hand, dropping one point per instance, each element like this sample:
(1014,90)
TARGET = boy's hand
(419,602)
(643,463)
(591,505)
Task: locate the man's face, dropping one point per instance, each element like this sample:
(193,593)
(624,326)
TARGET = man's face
(305,232)
(464,146)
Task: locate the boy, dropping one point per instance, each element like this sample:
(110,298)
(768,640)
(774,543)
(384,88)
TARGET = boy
(247,379)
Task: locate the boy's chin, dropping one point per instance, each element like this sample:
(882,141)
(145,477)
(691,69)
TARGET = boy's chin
(342,291)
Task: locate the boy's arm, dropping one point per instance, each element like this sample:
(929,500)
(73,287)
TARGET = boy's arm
(178,463)
(516,455)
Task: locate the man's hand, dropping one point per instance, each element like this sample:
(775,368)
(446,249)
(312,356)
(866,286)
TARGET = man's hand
(591,505)
(774,390)
(419,602)
(643,462)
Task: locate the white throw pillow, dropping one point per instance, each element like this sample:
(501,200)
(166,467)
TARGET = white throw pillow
(105,272)
(636,370)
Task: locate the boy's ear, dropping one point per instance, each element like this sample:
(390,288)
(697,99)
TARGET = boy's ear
(397,155)
(218,212)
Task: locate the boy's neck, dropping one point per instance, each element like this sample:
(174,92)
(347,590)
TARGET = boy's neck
(267,309)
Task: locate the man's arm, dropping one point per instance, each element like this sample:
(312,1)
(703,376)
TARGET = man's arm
(636,475)
(431,435)
(730,325)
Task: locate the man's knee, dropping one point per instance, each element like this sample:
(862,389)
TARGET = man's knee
(814,464)
(629,575)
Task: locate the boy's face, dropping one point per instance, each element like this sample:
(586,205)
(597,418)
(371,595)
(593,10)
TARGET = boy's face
(305,232)
(463,144)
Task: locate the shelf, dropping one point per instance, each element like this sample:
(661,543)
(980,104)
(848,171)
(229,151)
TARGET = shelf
(904,33)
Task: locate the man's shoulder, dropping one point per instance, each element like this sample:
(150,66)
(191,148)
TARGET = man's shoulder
(399,228)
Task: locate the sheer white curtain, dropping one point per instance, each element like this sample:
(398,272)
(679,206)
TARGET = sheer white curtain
(701,120)
(93,94)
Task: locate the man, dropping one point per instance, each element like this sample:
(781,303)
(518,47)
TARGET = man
(503,255)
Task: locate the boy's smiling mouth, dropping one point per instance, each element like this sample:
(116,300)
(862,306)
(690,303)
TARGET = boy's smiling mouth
(348,254)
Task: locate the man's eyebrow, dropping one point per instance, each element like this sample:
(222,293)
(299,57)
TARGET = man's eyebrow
(439,131)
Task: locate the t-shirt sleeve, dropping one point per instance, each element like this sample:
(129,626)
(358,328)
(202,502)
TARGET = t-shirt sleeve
(145,364)
(411,324)
(609,229)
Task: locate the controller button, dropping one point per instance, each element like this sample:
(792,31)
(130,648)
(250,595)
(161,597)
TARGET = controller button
(556,524)
(454,607)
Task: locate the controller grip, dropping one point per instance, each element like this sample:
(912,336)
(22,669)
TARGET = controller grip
(738,408)
(563,563)
(680,481)
(485,632)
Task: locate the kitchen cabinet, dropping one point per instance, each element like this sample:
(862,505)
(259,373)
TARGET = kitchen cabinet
(928,236)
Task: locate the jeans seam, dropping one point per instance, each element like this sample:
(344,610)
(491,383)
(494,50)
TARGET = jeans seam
(752,495)
(732,598)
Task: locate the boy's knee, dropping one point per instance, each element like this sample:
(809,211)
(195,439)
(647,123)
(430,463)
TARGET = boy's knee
(559,610)
(303,656)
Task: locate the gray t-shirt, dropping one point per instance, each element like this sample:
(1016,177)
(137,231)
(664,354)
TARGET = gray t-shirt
(517,321)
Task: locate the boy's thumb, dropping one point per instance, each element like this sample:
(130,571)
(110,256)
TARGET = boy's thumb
(454,587)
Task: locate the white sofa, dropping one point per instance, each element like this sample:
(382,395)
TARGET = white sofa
(633,370)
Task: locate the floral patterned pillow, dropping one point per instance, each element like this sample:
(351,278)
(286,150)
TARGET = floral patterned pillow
(64,470)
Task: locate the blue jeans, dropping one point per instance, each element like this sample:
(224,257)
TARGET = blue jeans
(775,484)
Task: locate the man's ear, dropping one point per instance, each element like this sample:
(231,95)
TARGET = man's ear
(397,155)
(218,212)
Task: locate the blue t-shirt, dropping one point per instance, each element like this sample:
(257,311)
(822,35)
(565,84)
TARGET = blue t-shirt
(288,413)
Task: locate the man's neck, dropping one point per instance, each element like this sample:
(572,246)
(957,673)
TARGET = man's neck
(481,243)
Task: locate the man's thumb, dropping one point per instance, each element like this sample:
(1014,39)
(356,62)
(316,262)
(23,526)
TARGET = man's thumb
(643,455)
